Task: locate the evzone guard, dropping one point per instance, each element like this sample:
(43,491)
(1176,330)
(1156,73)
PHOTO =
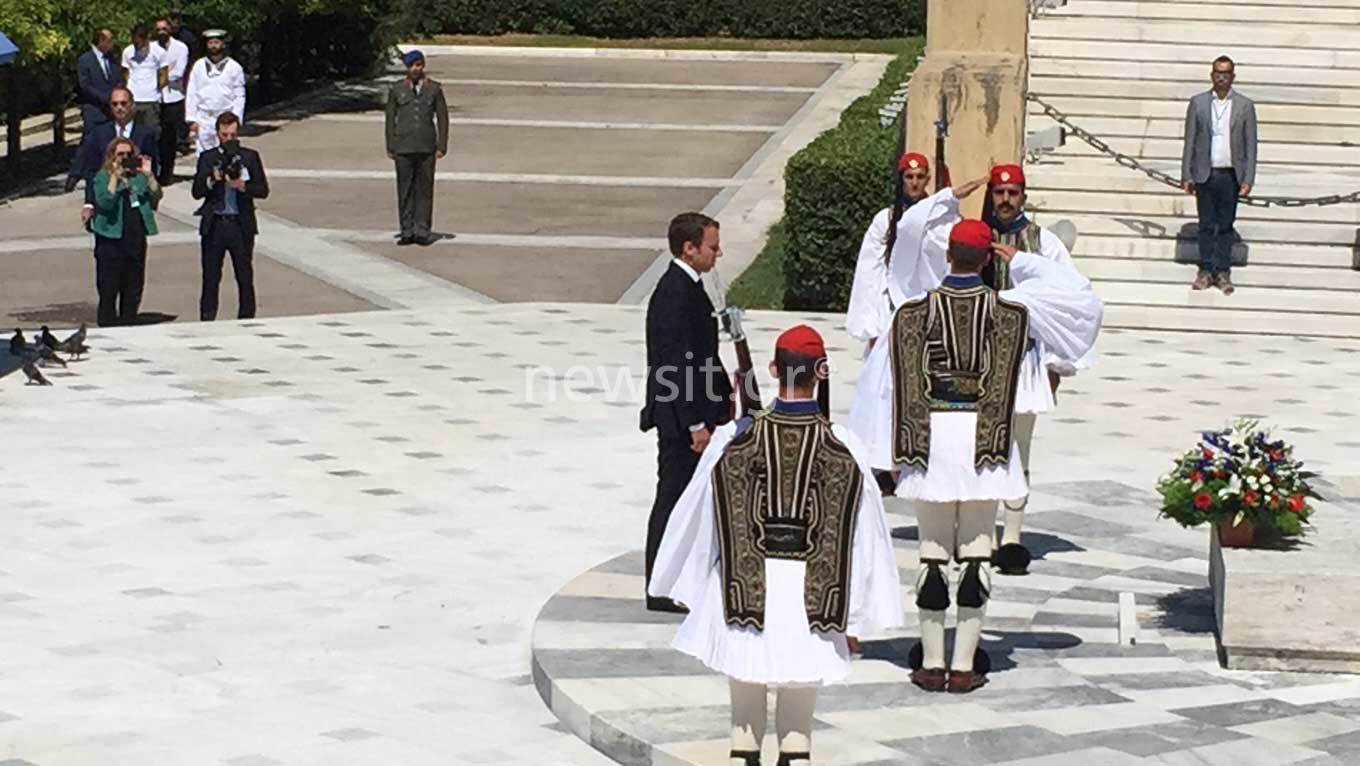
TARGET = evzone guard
(1041,370)
(936,404)
(779,546)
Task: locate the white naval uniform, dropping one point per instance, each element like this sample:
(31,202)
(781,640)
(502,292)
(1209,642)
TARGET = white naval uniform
(787,652)
(1064,314)
(212,90)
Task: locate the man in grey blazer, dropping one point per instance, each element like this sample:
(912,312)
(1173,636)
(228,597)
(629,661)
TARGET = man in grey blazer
(417,137)
(1218,165)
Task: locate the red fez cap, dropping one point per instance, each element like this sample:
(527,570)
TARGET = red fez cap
(971,232)
(913,161)
(1007,174)
(805,340)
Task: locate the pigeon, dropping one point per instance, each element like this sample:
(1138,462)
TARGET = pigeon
(75,344)
(17,343)
(46,338)
(35,377)
(46,354)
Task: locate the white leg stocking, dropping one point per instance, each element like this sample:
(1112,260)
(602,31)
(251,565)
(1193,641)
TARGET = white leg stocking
(977,522)
(749,715)
(793,720)
(1015,509)
(936,524)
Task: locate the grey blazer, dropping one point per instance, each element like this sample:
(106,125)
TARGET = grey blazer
(1196,162)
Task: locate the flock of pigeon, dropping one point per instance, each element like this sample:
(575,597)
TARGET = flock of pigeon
(44,350)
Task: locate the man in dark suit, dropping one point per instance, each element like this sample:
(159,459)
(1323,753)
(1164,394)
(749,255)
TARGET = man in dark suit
(688,391)
(417,137)
(96,74)
(229,179)
(90,155)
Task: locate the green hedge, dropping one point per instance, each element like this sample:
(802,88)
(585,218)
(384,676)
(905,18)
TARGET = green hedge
(789,19)
(833,189)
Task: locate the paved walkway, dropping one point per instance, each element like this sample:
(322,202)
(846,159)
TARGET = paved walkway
(325,540)
(564,168)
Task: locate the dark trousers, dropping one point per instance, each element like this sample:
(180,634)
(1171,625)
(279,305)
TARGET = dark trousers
(415,193)
(1217,202)
(172,124)
(225,235)
(119,276)
(675,464)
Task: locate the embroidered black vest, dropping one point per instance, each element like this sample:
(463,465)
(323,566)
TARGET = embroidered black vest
(997,275)
(787,488)
(956,349)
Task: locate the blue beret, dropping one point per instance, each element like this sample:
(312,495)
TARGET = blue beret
(412,56)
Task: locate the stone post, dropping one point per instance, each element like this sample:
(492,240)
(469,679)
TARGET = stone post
(977,54)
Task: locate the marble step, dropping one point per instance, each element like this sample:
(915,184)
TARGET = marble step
(1292,156)
(1247,12)
(1282,35)
(1142,127)
(1228,320)
(1305,258)
(1196,74)
(1181,205)
(1301,94)
(1111,104)
(1253,275)
(1093,223)
(1097,173)
(1179,295)
(1249,55)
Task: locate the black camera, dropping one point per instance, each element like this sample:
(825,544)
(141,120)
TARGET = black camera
(229,166)
(132,163)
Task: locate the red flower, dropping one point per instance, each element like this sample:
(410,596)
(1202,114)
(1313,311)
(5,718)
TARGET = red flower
(1251,498)
(1203,500)
(1274,501)
(1296,503)
(1221,473)
(1208,453)
(1277,456)
(1196,476)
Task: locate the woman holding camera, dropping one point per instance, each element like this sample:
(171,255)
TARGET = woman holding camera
(125,189)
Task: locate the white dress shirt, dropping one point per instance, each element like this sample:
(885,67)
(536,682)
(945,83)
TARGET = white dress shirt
(1220,152)
(103,60)
(143,72)
(176,57)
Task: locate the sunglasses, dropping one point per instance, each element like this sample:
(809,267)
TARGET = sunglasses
(1225,75)
(120,103)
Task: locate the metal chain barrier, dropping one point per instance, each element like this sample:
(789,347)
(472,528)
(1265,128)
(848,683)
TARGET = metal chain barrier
(1133,163)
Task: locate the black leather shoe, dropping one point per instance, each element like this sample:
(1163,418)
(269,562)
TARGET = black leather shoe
(404,241)
(665,605)
(427,240)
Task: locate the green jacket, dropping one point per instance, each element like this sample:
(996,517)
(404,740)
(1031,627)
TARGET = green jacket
(417,123)
(108,208)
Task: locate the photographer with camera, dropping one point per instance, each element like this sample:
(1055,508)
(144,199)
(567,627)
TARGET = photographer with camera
(229,179)
(125,192)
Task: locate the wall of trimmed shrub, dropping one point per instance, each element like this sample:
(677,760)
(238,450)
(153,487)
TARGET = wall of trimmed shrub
(792,19)
(833,189)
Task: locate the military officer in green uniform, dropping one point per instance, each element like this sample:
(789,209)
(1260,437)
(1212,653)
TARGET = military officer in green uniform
(417,136)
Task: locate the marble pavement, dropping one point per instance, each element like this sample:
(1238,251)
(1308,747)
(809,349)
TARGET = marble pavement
(326,540)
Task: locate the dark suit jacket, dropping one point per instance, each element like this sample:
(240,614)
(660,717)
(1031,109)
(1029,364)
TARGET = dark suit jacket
(257,187)
(97,142)
(679,392)
(92,87)
(417,123)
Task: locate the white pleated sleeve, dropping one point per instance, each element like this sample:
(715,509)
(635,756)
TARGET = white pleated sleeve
(919,255)
(875,590)
(1064,312)
(689,547)
(867,315)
